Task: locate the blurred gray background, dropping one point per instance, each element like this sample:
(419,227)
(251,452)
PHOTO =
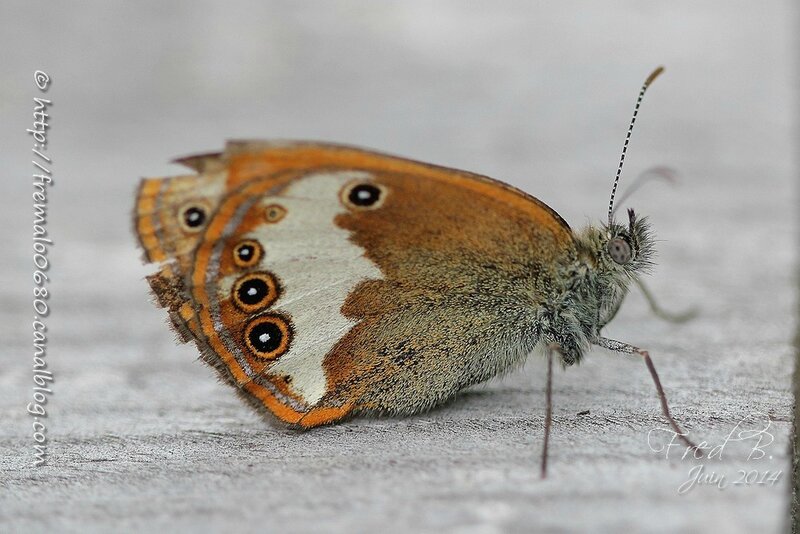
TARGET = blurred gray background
(141,434)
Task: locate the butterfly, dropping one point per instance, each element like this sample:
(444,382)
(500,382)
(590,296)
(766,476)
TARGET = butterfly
(323,281)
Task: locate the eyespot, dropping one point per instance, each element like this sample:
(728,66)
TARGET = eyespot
(192,216)
(619,250)
(363,195)
(274,213)
(247,253)
(268,336)
(255,291)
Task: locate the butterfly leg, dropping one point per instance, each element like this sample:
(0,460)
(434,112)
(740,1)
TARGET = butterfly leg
(548,414)
(658,311)
(625,348)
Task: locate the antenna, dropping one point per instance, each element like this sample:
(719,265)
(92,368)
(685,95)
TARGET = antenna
(647,82)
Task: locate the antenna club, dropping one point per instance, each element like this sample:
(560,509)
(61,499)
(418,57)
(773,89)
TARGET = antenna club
(653,75)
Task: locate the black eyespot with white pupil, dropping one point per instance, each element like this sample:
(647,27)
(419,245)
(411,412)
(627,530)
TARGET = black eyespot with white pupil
(253,291)
(194,216)
(266,337)
(364,195)
(619,250)
(247,253)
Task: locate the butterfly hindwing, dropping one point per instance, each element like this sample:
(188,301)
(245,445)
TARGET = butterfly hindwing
(330,280)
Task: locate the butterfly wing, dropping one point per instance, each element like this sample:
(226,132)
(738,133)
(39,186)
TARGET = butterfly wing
(329,280)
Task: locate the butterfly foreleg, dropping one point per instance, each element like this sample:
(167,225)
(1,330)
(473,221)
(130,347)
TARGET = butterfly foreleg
(658,311)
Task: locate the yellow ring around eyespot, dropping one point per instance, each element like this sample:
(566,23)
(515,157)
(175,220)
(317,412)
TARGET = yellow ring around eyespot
(258,253)
(286,336)
(344,195)
(273,291)
(274,213)
(203,206)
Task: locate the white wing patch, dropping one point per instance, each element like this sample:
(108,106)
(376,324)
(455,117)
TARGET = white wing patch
(317,266)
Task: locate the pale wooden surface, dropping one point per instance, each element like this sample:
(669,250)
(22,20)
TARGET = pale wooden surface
(142,435)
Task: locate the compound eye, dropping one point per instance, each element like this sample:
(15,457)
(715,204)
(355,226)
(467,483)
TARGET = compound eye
(619,250)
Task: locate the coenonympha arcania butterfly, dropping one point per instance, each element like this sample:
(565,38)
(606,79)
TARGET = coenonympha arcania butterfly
(324,281)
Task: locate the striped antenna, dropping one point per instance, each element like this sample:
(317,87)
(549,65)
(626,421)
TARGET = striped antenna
(647,83)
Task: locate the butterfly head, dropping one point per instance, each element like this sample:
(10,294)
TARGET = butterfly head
(627,249)
(618,251)
(614,254)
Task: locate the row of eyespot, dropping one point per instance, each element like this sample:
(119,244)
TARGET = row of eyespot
(267,336)
(358,196)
